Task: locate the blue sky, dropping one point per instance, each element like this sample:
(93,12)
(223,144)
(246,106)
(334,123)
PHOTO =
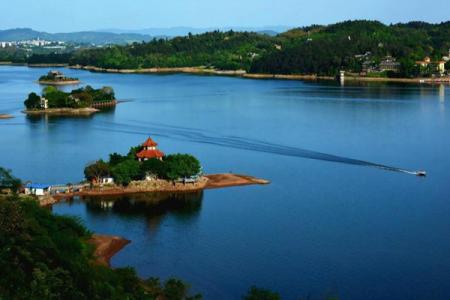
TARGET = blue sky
(63,15)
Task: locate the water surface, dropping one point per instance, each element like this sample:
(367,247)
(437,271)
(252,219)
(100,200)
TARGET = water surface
(320,228)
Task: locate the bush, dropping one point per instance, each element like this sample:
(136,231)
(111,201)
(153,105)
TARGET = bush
(126,171)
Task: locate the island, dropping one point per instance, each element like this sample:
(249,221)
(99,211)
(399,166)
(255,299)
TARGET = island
(5,116)
(57,78)
(82,101)
(144,169)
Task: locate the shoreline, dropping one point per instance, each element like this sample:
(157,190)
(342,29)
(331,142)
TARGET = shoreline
(244,74)
(238,73)
(106,247)
(58,83)
(62,111)
(207,182)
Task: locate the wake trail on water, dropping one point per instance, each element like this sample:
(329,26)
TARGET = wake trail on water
(236,142)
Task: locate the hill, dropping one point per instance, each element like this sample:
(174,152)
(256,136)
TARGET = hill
(82,37)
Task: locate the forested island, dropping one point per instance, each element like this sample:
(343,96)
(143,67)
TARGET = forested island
(363,48)
(79,101)
(57,78)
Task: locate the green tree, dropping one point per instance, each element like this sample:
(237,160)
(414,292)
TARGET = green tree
(153,166)
(97,170)
(8,181)
(33,101)
(181,165)
(126,171)
(43,256)
(261,294)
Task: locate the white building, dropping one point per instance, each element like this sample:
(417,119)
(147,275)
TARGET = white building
(37,189)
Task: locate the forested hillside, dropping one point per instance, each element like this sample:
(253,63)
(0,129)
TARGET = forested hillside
(323,50)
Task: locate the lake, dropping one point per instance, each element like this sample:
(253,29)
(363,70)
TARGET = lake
(330,223)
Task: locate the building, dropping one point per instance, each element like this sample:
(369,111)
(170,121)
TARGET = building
(438,66)
(389,63)
(37,189)
(424,63)
(106,180)
(44,103)
(56,75)
(149,151)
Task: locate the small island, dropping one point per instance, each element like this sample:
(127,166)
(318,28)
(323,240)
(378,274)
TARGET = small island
(82,101)
(57,78)
(5,116)
(144,169)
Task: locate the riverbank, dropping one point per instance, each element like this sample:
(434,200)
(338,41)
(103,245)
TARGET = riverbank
(106,247)
(87,111)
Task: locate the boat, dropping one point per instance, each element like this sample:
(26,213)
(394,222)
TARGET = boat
(421,173)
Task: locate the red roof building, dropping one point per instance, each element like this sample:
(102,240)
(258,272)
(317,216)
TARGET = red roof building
(149,151)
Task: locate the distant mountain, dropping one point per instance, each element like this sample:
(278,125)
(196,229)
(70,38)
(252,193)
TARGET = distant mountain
(84,37)
(183,31)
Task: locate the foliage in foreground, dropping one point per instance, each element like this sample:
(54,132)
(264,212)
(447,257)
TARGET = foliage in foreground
(43,256)
(8,181)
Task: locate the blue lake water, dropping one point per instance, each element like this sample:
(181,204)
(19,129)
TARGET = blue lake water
(320,228)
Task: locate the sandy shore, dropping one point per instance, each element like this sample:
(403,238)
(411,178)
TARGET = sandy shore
(216,181)
(6,116)
(58,83)
(106,247)
(63,111)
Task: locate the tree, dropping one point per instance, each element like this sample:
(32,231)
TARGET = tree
(126,171)
(97,170)
(116,158)
(153,166)
(447,67)
(261,294)
(8,181)
(181,165)
(33,101)
(44,256)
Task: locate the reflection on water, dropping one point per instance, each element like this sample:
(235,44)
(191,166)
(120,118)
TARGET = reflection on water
(154,207)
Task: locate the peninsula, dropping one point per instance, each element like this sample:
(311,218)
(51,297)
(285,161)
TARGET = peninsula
(57,78)
(82,101)
(145,169)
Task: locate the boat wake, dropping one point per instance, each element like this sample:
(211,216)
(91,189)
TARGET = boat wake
(208,137)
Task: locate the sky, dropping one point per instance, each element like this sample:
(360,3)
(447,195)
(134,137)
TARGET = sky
(66,16)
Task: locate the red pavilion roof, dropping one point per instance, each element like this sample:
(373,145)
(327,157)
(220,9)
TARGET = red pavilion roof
(150,143)
(150,154)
